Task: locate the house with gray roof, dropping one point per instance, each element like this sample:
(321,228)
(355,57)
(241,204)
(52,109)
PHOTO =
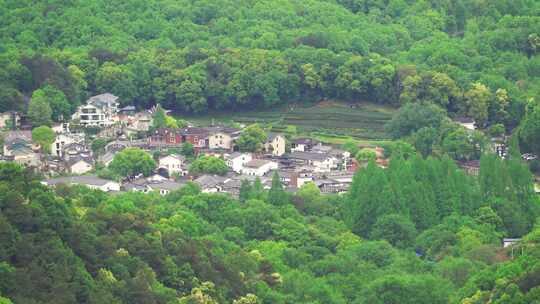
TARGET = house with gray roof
(210,183)
(99,111)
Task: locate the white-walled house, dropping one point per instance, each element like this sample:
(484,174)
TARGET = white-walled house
(64,139)
(173,163)
(275,144)
(222,138)
(80,165)
(236,161)
(259,167)
(303,144)
(92,182)
(319,162)
(99,111)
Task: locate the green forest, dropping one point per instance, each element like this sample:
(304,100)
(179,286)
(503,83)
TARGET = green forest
(468,56)
(421,231)
(418,232)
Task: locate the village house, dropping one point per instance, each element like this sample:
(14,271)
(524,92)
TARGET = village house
(99,111)
(222,138)
(466,122)
(147,185)
(259,167)
(80,164)
(236,161)
(328,186)
(173,163)
(90,181)
(52,165)
(275,144)
(61,128)
(303,144)
(64,139)
(210,183)
(10,120)
(167,137)
(18,148)
(140,122)
(75,150)
(319,162)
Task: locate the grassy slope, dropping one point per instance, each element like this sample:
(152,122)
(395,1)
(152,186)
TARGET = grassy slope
(332,122)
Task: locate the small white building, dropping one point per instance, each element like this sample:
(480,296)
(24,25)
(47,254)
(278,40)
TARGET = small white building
(259,167)
(236,161)
(90,181)
(99,111)
(318,162)
(64,139)
(303,144)
(466,122)
(173,163)
(275,144)
(507,242)
(80,165)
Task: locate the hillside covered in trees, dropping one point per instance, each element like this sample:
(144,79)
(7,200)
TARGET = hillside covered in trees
(418,232)
(468,56)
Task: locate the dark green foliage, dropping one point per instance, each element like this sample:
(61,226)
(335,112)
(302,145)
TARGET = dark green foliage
(398,230)
(413,117)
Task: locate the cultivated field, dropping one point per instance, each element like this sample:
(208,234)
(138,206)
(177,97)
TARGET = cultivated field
(328,121)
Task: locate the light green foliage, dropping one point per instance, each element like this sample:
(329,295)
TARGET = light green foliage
(251,139)
(478,99)
(478,58)
(60,107)
(159,118)
(351,147)
(209,165)
(39,112)
(366,155)
(44,136)
(132,161)
(529,130)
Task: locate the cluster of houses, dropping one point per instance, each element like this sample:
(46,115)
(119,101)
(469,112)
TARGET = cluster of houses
(70,159)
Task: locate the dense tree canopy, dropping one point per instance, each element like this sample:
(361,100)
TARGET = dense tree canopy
(77,245)
(208,164)
(132,161)
(236,54)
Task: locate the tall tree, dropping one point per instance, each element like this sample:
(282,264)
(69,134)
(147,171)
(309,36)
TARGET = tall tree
(39,112)
(277,196)
(44,136)
(132,161)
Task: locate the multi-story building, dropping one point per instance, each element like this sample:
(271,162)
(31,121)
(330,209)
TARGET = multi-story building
(99,111)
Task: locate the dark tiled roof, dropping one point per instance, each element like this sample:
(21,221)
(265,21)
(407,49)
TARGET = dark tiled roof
(308,156)
(257,163)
